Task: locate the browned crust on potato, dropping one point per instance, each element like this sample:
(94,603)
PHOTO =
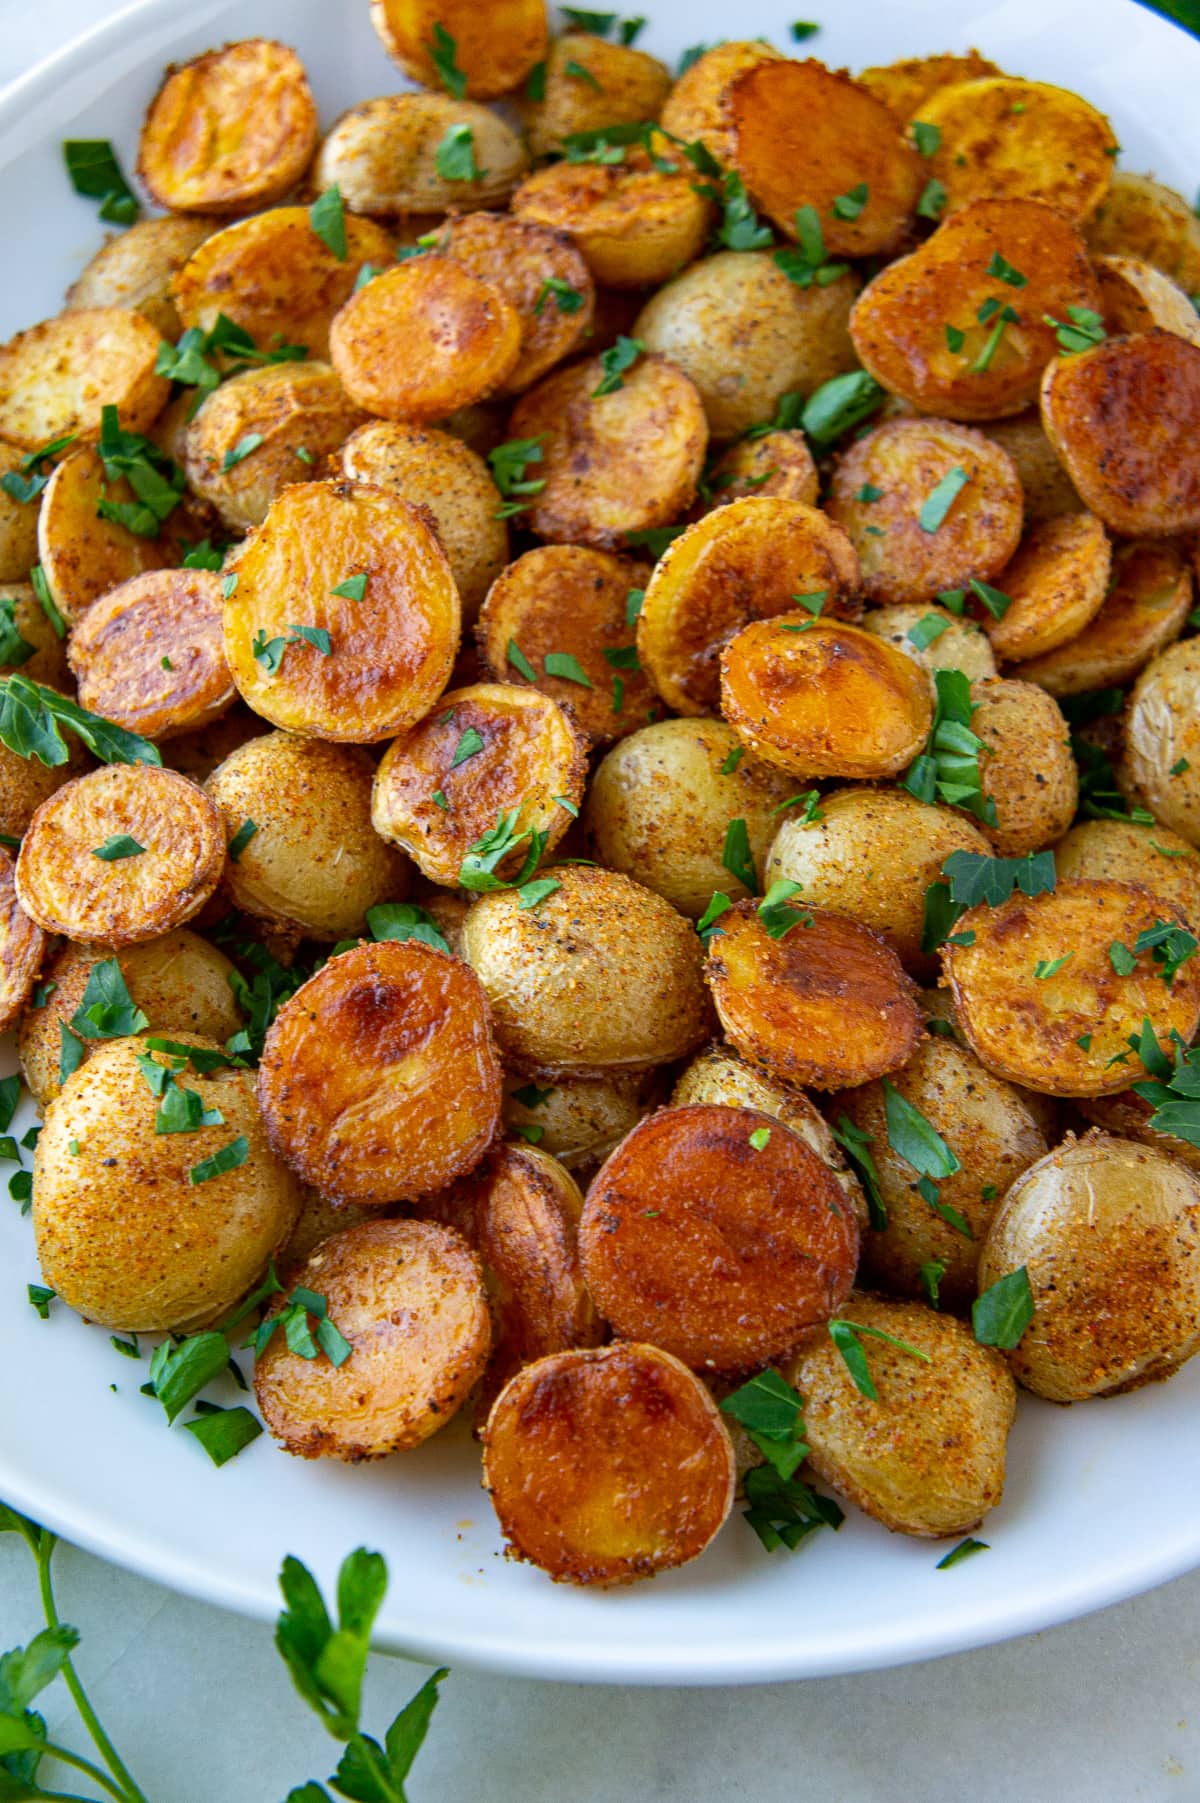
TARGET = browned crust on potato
(495,47)
(633,223)
(84,556)
(695,109)
(904,86)
(1145,608)
(56,377)
(620,85)
(518,256)
(1026,767)
(1142,218)
(1056,583)
(776,467)
(22,947)
(150,654)
(135,269)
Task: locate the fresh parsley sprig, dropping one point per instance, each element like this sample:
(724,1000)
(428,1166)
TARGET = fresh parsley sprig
(781,1510)
(948,769)
(478,869)
(33,717)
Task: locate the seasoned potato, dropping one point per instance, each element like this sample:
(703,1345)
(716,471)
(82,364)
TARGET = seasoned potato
(633,223)
(926,1457)
(313,864)
(84,556)
(291,415)
(487,749)
(1152,856)
(391,639)
(198,753)
(746,335)
(720,1232)
(18,522)
(828,1004)
(697,106)
(1128,1116)
(25,783)
(1160,767)
(661,802)
(1136,296)
(830,701)
(956,644)
(127,1233)
(180,982)
(383,156)
(1026,768)
(1007,139)
(899,320)
(522,260)
(379,1081)
(1142,218)
(1109,1232)
(608,1464)
(904,86)
(229,131)
(615,463)
(1119,418)
(22,947)
(590,84)
(399,1384)
(578,1119)
(602,976)
(135,269)
(557,597)
(149,654)
(56,377)
(1144,609)
(804,135)
(44,657)
(778,467)
(1045,483)
(1028,1027)
(275,278)
(495,49)
(318,1221)
(881,496)
(1056,584)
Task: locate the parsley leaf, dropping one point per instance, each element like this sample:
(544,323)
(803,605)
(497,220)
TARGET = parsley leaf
(840,404)
(963,1550)
(846,1336)
(405,920)
(1002,1313)
(975,877)
(948,769)
(14,650)
(118,847)
(227,1159)
(106,1009)
(774,910)
(96,174)
(561,663)
(855,1142)
(454,158)
(927,138)
(469,745)
(619,357)
(941,498)
(442,53)
(1081,331)
(32,718)
(719,903)
(736,855)
(293,1316)
(566,298)
(353,589)
(772,1414)
(784,1511)
(931,204)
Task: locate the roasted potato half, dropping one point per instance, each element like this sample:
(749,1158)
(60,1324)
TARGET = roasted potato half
(777,467)
(494,51)
(83,555)
(1127,852)
(1055,585)
(904,86)
(540,273)
(1160,765)
(589,84)
(933,637)
(30,642)
(383,156)
(1026,768)
(697,106)
(18,522)
(1141,218)
(25,783)
(150,654)
(1044,482)
(22,947)
(56,377)
(634,223)
(135,269)
(1145,607)
(1136,297)
(578,1120)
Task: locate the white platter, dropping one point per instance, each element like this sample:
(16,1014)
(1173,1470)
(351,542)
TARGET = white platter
(102,1467)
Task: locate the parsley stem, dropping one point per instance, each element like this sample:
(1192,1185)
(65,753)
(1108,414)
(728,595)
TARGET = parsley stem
(64,1756)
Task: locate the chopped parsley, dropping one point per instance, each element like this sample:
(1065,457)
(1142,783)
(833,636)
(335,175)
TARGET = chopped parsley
(327,216)
(96,174)
(469,745)
(614,362)
(442,53)
(847,1337)
(736,855)
(227,1159)
(1001,1314)
(948,769)
(269,652)
(118,847)
(353,589)
(294,1317)
(566,298)
(562,664)
(941,498)
(454,158)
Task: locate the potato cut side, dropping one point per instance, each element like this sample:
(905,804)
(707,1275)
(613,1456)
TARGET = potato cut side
(495,49)
(135,269)
(904,86)
(382,156)
(1128,852)
(22,947)
(1056,584)
(83,555)
(1026,766)
(633,223)
(590,84)
(56,377)
(533,267)
(1160,767)
(580,1119)
(150,654)
(25,783)
(1142,218)
(933,637)
(18,522)
(1137,297)
(776,467)
(1045,483)
(697,106)
(1145,608)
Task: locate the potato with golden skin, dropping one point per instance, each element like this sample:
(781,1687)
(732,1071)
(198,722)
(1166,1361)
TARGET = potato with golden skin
(318,1221)
(904,86)
(697,108)
(198,753)
(1026,768)
(1056,584)
(495,49)
(125,1232)
(633,223)
(56,377)
(521,259)
(25,783)
(136,268)
(1135,297)
(1044,482)
(22,947)
(619,86)
(1128,1116)
(777,467)
(382,156)
(1003,138)
(955,644)
(150,654)
(1128,852)
(1145,608)
(1142,218)
(82,555)
(44,658)
(1160,762)
(18,522)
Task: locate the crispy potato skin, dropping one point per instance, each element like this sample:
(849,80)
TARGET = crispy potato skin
(625,87)
(960,645)
(1119,418)
(1026,767)
(1142,218)
(382,155)
(1028,1028)
(409,1297)
(696,107)
(617,463)
(48,663)
(135,269)
(633,223)
(928,1457)
(56,377)
(899,320)
(122,1234)
(1056,582)
(828,1005)
(18,523)
(907,458)
(518,257)
(1144,609)
(1003,138)
(1160,765)
(1152,856)
(229,131)
(1044,482)
(608,1464)
(603,976)
(495,49)
(581,1118)
(1136,296)
(117,652)
(84,556)
(22,948)
(777,467)
(829,701)
(725,1252)
(1109,1232)
(905,86)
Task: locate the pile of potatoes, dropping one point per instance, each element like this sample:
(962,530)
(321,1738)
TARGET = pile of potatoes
(546,609)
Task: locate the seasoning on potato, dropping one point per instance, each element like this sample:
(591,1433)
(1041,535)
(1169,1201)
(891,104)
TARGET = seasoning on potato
(1145,606)
(634,223)
(387,157)
(488,55)
(150,654)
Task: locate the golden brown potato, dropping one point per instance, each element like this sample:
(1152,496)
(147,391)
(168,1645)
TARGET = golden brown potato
(135,269)
(746,335)
(229,131)
(1145,607)
(830,701)
(383,156)
(379,1080)
(777,467)
(828,1004)
(1027,1027)
(198,753)
(1142,218)
(392,631)
(804,136)
(1046,484)
(578,1119)
(1007,139)
(720,1232)
(42,655)
(56,377)
(494,49)
(889,483)
(399,1384)
(149,654)
(608,1464)
(1128,1116)
(602,976)
(132,1230)
(25,783)
(84,556)
(1056,584)
(1127,852)
(1109,1233)
(1160,767)
(1026,768)
(697,106)
(486,749)
(899,320)
(616,463)
(956,644)
(1135,296)
(590,84)
(927,1456)
(753,560)
(22,947)
(318,1221)
(523,260)
(904,86)
(633,223)
(18,522)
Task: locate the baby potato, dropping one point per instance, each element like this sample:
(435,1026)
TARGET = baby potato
(318,1221)
(557,596)
(1135,297)
(379,1080)
(613,463)
(180,982)
(697,107)
(828,1004)
(1144,609)
(127,1232)
(1045,483)
(291,415)
(313,865)
(230,131)
(660,804)
(1007,139)
(275,278)
(56,377)
(776,467)
(899,321)
(1141,218)
(488,748)
(633,223)
(1160,766)
(423,338)
(1027,1027)
(608,1464)
(1127,852)
(804,135)
(393,628)
(603,976)
(83,555)
(1056,584)
(522,260)
(578,1119)
(383,156)
(408,1297)
(198,753)
(18,522)
(880,496)
(44,657)
(904,86)
(926,1457)
(22,947)
(150,656)
(1109,1233)
(25,783)
(746,335)
(1026,768)
(871,854)
(1119,418)
(494,50)
(1128,1116)
(956,644)
(827,701)
(135,269)
(588,85)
